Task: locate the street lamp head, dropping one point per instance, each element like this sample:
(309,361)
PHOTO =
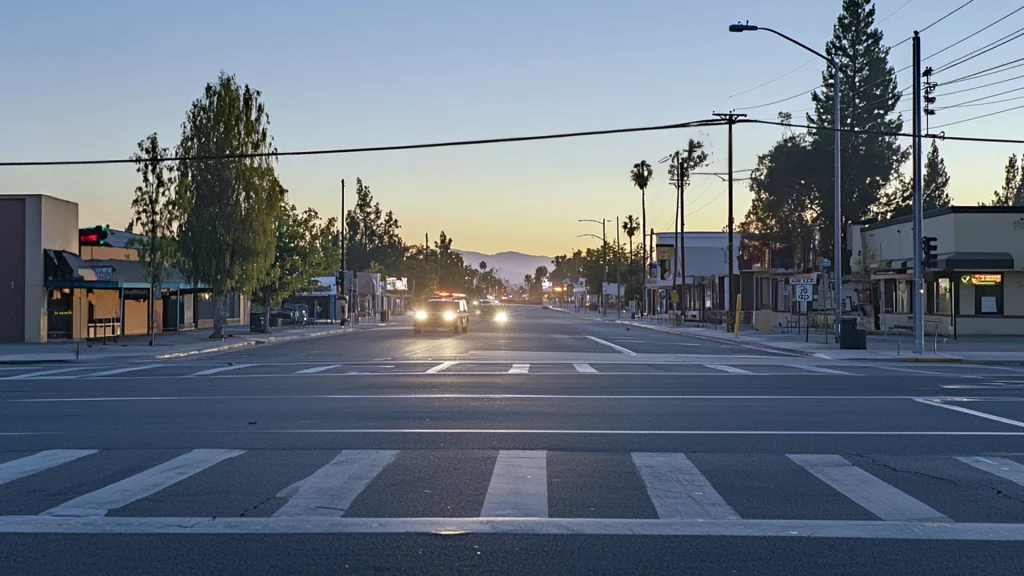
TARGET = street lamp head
(738,27)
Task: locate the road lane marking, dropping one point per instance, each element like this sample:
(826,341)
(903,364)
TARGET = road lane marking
(881,499)
(330,491)
(519,486)
(927,372)
(143,484)
(442,366)
(212,371)
(29,465)
(519,369)
(1002,467)
(317,369)
(43,373)
(119,371)
(823,370)
(678,490)
(727,368)
(498,396)
(613,346)
(584,368)
(846,529)
(642,432)
(992,417)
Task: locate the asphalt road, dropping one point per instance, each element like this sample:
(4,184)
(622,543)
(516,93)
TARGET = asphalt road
(556,444)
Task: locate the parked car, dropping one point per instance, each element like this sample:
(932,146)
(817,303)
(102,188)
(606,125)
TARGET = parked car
(301,312)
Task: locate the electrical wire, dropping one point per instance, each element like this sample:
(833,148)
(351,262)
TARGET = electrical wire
(966,104)
(982,86)
(940,136)
(987,72)
(981,51)
(428,145)
(964,39)
(985,97)
(1004,111)
(955,10)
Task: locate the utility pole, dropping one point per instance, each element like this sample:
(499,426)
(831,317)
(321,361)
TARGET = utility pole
(618,271)
(604,249)
(731,118)
(918,205)
(340,282)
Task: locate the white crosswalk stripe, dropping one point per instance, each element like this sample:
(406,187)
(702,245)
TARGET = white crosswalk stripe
(318,369)
(330,490)
(519,486)
(822,370)
(881,499)
(584,368)
(120,371)
(29,465)
(212,371)
(1002,467)
(678,490)
(143,484)
(519,369)
(728,368)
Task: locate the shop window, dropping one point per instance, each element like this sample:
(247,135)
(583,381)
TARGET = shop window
(766,294)
(942,296)
(901,297)
(988,295)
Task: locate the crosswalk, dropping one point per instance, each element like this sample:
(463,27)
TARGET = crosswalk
(737,367)
(528,491)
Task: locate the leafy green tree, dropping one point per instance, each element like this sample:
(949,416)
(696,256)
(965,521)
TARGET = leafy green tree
(155,216)
(227,191)
(869,98)
(372,234)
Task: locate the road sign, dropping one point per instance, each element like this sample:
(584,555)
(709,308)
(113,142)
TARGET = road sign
(798,280)
(804,293)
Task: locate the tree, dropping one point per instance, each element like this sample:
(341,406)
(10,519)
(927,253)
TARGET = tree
(679,171)
(630,226)
(1012,193)
(371,234)
(640,176)
(869,98)
(898,200)
(227,191)
(153,211)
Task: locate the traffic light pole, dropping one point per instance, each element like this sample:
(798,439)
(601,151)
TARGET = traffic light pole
(918,206)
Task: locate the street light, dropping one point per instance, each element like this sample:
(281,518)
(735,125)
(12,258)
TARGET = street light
(604,257)
(837,248)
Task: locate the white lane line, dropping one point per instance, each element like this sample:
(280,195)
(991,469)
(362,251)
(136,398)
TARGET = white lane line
(879,498)
(143,484)
(584,368)
(613,346)
(442,366)
(329,491)
(822,370)
(317,369)
(212,371)
(119,371)
(927,372)
(43,373)
(846,529)
(640,432)
(519,369)
(678,490)
(1002,467)
(29,465)
(519,486)
(727,368)
(969,411)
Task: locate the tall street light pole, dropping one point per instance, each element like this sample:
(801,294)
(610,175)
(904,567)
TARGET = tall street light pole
(837,251)
(604,258)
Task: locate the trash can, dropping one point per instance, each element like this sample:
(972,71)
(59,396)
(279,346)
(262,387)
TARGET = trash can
(255,321)
(385,315)
(851,337)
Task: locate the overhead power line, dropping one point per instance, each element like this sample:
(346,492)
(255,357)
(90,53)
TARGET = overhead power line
(987,71)
(981,51)
(968,104)
(954,11)
(997,112)
(961,91)
(428,145)
(939,136)
(968,37)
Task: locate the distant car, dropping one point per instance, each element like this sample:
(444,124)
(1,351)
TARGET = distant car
(493,310)
(444,313)
(301,312)
(547,305)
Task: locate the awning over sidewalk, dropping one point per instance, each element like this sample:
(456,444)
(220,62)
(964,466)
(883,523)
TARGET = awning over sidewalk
(967,261)
(68,270)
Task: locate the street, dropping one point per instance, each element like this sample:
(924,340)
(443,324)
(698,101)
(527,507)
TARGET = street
(558,444)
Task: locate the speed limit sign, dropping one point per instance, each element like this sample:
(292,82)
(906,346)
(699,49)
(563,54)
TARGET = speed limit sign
(803,293)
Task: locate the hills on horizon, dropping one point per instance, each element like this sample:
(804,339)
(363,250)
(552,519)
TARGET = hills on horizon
(508,265)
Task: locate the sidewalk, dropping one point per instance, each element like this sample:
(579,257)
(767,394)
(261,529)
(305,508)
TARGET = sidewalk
(819,344)
(169,344)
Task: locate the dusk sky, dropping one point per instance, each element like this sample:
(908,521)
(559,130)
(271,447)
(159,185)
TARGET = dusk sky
(87,80)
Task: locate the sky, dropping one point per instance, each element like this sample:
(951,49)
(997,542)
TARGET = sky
(88,80)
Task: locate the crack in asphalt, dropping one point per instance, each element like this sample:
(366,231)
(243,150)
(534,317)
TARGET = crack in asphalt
(925,474)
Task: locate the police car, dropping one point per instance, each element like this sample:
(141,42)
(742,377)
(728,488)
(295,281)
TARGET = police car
(444,310)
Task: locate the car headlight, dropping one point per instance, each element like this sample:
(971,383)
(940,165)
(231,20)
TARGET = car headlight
(449,315)
(501,317)
(421,315)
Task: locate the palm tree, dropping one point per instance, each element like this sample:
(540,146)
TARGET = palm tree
(640,176)
(630,226)
(483,266)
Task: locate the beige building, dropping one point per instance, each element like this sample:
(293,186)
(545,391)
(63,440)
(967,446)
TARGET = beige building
(978,286)
(30,224)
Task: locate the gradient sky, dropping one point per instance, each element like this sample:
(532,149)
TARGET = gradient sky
(85,80)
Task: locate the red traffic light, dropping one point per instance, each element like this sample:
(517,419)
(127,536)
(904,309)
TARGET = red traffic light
(95,236)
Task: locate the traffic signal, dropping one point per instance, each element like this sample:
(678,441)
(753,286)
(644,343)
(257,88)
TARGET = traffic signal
(929,252)
(95,236)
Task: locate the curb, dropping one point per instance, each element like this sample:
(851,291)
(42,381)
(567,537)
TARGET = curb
(253,342)
(733,342)
(935,360)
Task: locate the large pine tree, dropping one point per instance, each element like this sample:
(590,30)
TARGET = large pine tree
(868,98)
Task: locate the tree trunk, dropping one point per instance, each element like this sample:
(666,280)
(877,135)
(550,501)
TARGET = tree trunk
(153,292)
(218,316)
(643,259)
(266,312)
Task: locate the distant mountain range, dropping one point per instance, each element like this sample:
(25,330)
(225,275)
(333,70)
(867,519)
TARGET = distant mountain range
(511,266)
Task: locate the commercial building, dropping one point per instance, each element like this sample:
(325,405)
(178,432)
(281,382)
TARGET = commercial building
(706,265)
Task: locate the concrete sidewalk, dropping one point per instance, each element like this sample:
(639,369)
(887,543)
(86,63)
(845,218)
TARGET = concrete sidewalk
(819,344)
(169,345)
